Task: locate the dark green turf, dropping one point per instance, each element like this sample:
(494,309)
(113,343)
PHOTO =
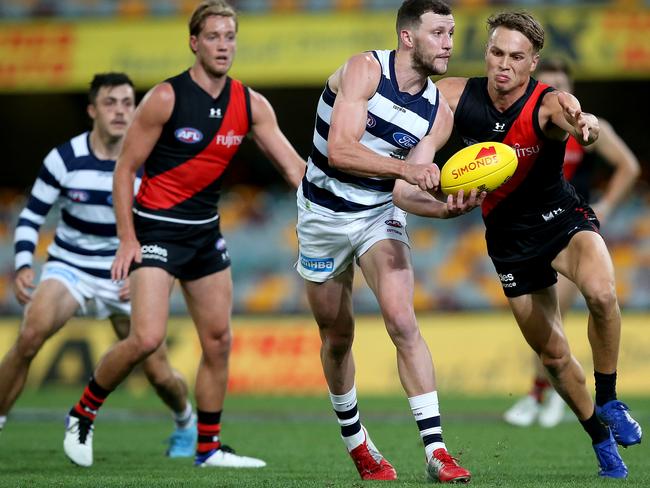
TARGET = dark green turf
(299,439)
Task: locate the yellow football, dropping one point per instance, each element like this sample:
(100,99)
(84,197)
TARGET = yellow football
(484,166)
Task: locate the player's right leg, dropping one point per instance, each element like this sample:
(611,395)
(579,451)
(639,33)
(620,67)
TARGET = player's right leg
(172,389)
(150,288)
(51,306)
(538,317)
(331,304)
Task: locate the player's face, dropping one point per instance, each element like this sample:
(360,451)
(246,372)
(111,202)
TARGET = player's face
(557,80)
(216,44)
(510,60)
(432,43)
(113,110)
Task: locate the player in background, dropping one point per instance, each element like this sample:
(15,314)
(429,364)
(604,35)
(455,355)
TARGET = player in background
(185,134)
(78,175)
(542,403)
(537,226)
(380,121)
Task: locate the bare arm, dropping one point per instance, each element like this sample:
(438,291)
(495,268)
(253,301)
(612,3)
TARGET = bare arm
(151,115)
(411,198)
(273,143)
(561,113)
(452,88)
(626,169)
(355,84)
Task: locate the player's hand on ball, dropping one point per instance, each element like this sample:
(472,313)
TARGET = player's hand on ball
(460,204)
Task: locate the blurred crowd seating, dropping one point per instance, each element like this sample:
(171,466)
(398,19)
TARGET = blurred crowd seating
(449,257)
(18,9)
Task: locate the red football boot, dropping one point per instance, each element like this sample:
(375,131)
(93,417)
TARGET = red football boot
(370,463)
(444,468)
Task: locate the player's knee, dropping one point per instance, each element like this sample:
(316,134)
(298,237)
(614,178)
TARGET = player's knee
(338,345)
(402,329)
(145,345)
(217,343)
(30,341)
(601,300)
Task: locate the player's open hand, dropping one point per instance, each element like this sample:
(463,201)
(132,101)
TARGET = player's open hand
(425,176)
(128,252)
(584,123)
(24,285)
(458,205)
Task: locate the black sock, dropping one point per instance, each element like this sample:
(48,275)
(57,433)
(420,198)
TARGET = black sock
(595,428)
(605,387)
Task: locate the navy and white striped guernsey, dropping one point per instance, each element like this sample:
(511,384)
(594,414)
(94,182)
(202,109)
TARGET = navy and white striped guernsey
(396,122)
(85,235)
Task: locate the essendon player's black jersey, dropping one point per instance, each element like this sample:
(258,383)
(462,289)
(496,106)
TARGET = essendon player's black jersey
(537,193)
(182,175)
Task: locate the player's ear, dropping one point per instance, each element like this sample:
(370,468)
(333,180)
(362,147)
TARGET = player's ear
(406,37)
(92,111)
(193,42)
(533,66)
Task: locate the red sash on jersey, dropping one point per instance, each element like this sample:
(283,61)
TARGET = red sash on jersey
(172,187)
(573,156)
(526,142)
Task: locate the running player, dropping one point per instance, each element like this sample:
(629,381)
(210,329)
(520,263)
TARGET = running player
(537,226)
(76,278)
(185,133)
(542,403)
(379,122)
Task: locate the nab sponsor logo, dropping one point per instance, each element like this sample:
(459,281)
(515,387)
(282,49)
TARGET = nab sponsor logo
(404,140)
(229,139)
(393,223)
(188,135)
(371,122)
(154,251)
(78,195)
(319,265)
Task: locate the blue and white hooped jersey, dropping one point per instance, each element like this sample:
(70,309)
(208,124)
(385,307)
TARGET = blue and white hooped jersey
(82,184)
(396,122)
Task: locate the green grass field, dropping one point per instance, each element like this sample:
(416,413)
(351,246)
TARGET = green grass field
(298,437)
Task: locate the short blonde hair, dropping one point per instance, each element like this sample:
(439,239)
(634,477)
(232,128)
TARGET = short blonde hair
(208,8)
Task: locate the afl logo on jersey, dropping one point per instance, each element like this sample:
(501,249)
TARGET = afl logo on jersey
(188,135)
(78,195)
(405,140)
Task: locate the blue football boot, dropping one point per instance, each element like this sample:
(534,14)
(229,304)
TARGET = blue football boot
(182,442)
(626,430)
(609,460)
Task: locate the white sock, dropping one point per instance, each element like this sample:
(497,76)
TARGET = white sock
(427,415)
(184,418)
(347,415)
(3,421)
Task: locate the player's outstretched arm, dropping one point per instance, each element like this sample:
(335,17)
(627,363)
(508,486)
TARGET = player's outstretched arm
(565,113)
(151,115)
(273,143)
(626,168)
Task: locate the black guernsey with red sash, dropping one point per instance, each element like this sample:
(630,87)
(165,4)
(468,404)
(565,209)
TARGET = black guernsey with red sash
(183,174)
(536,203)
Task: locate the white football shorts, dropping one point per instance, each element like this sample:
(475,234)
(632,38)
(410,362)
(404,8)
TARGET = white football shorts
(98,297)
(328,244)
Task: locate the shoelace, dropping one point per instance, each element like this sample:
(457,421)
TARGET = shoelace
(226,448)
(84,425)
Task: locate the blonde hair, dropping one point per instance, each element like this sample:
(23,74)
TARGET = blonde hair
(208,8)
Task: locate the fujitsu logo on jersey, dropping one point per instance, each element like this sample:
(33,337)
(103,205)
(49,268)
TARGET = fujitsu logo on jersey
(522,152)
(230,139)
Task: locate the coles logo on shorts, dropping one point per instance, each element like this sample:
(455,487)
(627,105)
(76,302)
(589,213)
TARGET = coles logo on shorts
(154,251)
(317,264)
(189,135)
(394,223)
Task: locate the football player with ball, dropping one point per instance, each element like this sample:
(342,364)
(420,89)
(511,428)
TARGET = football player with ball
(537,226)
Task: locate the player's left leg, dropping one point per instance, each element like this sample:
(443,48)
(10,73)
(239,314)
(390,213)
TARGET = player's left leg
(209,302)
(586,262)
(389,273)
(172,390)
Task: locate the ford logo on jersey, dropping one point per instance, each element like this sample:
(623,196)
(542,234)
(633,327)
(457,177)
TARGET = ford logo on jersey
(188,135)
(405,140)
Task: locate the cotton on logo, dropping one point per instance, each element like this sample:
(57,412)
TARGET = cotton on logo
(230,139)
